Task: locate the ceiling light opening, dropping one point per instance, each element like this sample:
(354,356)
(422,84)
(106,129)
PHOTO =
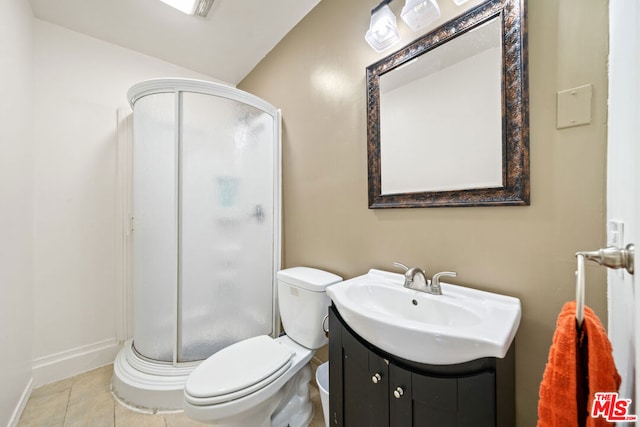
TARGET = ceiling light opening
(191,7)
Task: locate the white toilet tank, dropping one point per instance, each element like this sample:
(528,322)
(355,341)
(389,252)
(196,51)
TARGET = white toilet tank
(304,303)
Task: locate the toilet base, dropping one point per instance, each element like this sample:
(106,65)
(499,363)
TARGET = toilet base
(290,406)
(295,409)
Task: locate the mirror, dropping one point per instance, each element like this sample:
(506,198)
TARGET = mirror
(448,115)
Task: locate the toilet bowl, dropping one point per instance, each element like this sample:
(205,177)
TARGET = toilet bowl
(264,381)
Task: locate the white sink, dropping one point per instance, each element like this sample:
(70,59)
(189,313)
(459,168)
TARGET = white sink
(461,325)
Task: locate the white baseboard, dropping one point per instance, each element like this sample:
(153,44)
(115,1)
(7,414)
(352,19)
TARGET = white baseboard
(72,362)
(22,403)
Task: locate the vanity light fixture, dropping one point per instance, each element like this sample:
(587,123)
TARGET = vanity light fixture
(420,13)
(383,30)
(191,7)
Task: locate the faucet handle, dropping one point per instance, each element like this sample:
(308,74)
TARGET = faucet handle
(435,280)
(400,265)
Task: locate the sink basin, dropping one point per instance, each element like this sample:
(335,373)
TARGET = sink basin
(461,325)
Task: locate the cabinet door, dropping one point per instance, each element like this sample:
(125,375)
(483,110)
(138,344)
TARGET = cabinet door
(427,401)
(400,393)
(435,401)
(365,385)
(335,370)
(477,400)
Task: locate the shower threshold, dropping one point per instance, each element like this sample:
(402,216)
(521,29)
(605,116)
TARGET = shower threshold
(146,386)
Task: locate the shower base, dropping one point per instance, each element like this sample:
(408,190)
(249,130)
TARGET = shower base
(147,386)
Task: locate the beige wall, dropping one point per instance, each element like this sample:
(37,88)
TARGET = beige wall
(316,75)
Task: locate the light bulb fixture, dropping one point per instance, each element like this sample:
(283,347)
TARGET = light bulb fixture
(191,7)
(460,2)
(420,13)
(383,30)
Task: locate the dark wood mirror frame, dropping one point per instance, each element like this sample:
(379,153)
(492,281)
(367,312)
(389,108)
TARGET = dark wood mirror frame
(515,111)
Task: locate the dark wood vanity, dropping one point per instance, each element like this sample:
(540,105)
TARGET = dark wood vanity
(369,387)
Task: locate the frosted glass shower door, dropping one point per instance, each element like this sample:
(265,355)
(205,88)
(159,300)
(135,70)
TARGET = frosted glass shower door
(226,224)
(155,243)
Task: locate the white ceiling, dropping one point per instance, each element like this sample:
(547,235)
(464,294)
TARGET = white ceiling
(226,45)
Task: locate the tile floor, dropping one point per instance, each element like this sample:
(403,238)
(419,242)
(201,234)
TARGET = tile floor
(86,401)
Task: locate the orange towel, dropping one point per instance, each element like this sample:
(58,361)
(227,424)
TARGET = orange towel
(580,364)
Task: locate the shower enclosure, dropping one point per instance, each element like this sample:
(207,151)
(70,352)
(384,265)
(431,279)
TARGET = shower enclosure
(206,232)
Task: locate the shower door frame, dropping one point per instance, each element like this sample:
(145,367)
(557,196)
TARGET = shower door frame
(124,288)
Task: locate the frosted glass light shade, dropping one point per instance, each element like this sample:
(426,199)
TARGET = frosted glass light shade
(383,30)
(420,13)
(459,2)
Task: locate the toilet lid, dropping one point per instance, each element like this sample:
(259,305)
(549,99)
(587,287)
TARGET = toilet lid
(239,366)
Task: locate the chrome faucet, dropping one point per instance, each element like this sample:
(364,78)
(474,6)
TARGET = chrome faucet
(429,286)
(422,284)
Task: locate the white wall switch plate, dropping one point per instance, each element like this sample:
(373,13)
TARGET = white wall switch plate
(574,107)
(615,233)
(615,237)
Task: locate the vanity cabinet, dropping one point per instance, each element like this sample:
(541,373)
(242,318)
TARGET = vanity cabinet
(369,387)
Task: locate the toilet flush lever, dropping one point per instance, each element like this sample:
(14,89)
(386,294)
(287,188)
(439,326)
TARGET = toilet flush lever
(325,326)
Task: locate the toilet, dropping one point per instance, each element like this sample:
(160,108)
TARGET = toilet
(264,381)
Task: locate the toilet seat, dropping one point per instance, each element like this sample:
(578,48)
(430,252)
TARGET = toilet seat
(237,371)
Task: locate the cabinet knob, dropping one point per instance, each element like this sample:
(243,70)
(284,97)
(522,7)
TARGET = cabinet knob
(398,392)
(376,378)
